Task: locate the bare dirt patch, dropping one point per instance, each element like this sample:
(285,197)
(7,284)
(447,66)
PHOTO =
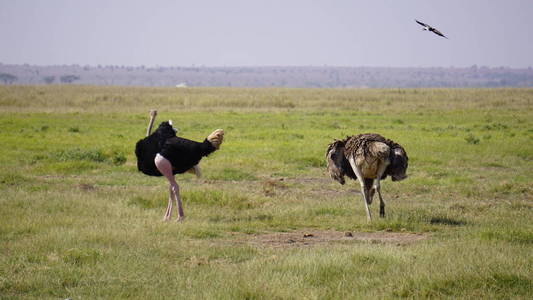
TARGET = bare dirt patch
(303,238)
(86,187)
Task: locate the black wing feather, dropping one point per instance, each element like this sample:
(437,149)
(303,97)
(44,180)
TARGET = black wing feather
(421,23)
(435,31)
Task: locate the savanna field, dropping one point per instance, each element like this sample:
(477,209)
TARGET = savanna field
(77,220)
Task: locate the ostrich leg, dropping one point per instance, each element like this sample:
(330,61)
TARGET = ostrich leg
(164,166)
(196,171)
(377,187)
(179,206)
(168,213)
(364,189)
(381,203)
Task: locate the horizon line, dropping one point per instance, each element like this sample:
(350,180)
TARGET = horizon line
(260,66)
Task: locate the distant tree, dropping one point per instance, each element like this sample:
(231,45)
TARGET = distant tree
(8,78)
(69,78)
(49,79)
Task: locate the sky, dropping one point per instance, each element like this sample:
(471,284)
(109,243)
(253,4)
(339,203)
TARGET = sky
(352,33)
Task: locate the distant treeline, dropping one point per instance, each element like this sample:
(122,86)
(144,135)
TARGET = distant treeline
(324,77)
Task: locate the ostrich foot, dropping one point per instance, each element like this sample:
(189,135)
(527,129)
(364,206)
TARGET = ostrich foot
(180,219)
(168,212)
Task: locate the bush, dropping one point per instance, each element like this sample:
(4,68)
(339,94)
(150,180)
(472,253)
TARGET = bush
(118,158)
(471,139)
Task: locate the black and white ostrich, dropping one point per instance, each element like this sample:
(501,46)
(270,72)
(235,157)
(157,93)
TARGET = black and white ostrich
(367,158)
(162,153)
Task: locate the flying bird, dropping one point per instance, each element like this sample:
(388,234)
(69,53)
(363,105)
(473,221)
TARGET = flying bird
(432,29)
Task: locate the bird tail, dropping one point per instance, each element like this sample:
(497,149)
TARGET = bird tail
(216,138)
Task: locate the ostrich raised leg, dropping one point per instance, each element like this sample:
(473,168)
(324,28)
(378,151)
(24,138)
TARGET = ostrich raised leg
(196,171)
(364,190)
(164,166)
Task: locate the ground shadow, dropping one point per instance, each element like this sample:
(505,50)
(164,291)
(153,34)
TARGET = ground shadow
(446,221)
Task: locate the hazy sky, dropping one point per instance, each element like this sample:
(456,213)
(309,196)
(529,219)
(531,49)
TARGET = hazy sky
(267,33)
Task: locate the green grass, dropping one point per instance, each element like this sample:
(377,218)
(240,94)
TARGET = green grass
(78,220)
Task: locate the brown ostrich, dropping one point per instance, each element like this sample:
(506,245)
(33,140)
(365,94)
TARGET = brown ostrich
(367,158)
(162,153)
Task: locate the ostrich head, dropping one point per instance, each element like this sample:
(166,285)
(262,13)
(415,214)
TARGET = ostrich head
(166,130)
(398,164)
(336,161)
(216,137)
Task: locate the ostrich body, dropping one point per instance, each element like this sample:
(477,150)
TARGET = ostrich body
(165,154)
(367,158)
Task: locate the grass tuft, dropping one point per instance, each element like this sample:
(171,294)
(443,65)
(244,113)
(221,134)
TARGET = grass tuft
(145,203)
(508,235)
(78,154)
(231,174)
(220,199)
(82,256)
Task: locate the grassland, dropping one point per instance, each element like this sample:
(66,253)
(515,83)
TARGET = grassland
(78,221)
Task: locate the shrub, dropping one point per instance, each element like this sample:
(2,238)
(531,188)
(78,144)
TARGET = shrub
(118,158)
(471,139)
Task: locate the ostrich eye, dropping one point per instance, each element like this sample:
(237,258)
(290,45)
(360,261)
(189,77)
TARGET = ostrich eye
(333,156)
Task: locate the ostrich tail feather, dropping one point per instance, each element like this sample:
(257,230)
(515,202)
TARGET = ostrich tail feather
(216,138)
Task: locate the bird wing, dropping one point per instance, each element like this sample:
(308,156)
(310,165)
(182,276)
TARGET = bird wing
(435,31)
(423,24)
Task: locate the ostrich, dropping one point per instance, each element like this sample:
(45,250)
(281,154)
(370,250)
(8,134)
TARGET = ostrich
(164,154)
(367,158)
